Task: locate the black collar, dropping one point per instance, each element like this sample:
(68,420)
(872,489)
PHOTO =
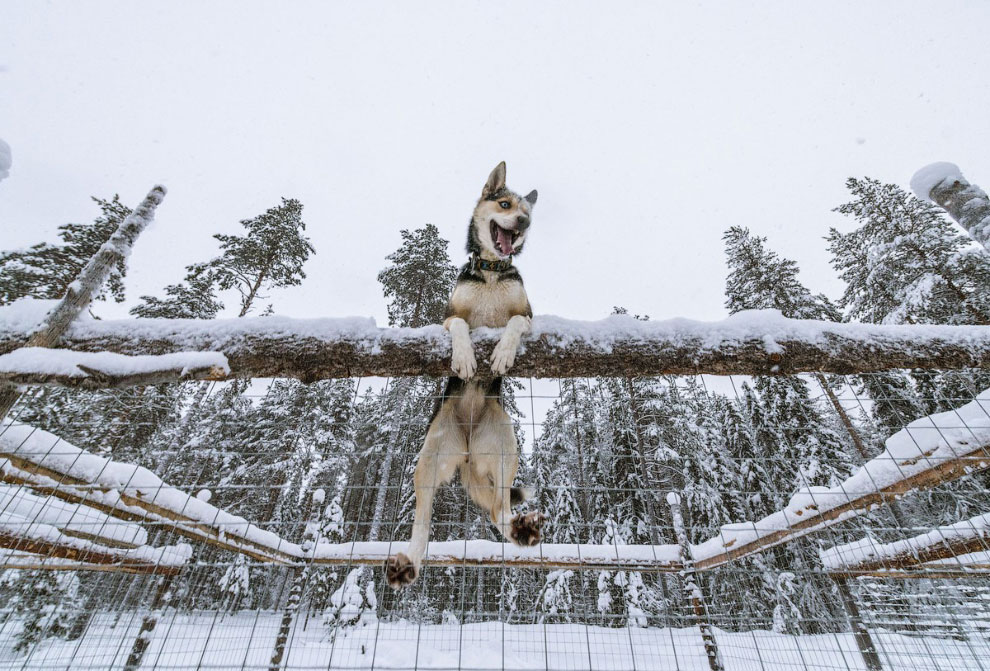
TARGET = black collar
(478,263)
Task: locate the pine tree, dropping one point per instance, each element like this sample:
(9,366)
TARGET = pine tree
(193,298)
(269,255)
(46,602)
(45,270)
(560,456)
(235,584)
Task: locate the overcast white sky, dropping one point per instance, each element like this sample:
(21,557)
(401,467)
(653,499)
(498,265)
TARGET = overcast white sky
(648,129)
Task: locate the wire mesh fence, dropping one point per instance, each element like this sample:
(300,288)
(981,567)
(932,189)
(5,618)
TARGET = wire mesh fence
(245,525)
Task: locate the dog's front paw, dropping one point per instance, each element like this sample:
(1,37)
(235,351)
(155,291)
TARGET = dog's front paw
(503,356)
(400,571)
(526,529)
(463,363)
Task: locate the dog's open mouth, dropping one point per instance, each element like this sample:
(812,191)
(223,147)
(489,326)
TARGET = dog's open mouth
(504,239)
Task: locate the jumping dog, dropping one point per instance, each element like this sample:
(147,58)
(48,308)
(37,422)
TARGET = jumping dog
(470,431)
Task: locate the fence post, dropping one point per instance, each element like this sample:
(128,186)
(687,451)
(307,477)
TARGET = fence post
(161,601)
(862,635)
(88,283)
(691,589)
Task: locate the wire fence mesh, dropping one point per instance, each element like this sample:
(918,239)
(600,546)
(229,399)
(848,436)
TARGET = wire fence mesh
(290,498)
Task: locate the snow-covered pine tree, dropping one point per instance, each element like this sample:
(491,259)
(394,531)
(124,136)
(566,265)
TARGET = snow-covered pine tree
(325,580)
(45,270)
(626,496)
(46,603)
(907,264)
(760,279)
(559,459)
(235,584)
(269,255)
(804,447)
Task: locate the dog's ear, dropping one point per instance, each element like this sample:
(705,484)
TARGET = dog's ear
(496,181)
(531,197)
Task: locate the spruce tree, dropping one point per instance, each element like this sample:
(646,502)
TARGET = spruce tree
(906,263)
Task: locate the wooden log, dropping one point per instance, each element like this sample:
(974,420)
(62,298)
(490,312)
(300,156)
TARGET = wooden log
(88,283)
(967,203)
(47,481)
(973,460)
(25,561)
(937,545)
(88,555)
(483,553)
(980,571)
(315,349)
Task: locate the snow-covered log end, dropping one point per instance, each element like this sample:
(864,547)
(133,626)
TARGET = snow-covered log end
(932,175)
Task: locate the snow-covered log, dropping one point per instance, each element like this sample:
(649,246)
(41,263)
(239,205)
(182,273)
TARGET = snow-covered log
(968,204)
(105,370)
(47,332)
(47,541)
(927,452)
(951,541)
(756,342)
(19,506)
(661,558)
(48,465)
(26,561)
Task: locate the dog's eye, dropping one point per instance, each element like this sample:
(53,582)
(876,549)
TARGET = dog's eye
(504,204)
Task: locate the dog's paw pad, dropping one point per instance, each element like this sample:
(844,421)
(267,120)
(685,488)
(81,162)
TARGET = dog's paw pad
(400,571)
(526,529)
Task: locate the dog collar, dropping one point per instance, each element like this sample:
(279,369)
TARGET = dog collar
(478,263)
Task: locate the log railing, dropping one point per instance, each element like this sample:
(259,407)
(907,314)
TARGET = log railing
(749,343)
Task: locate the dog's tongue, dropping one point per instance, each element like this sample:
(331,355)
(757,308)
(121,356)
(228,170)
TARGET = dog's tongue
(504,239)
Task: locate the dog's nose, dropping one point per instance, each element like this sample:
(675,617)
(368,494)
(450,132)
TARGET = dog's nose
(522,221)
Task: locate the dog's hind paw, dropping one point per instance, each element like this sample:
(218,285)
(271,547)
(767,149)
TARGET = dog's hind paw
(400,571)
(526,529)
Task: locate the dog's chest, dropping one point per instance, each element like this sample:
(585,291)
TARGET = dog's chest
(489,304)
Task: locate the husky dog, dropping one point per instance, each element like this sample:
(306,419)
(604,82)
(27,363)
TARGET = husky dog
(469,430)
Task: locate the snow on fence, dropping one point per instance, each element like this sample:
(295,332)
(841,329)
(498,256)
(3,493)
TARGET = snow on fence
(38,459)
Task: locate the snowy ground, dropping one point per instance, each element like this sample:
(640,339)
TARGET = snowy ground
(245,641)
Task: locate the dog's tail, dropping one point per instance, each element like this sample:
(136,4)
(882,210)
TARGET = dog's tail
(518,495)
